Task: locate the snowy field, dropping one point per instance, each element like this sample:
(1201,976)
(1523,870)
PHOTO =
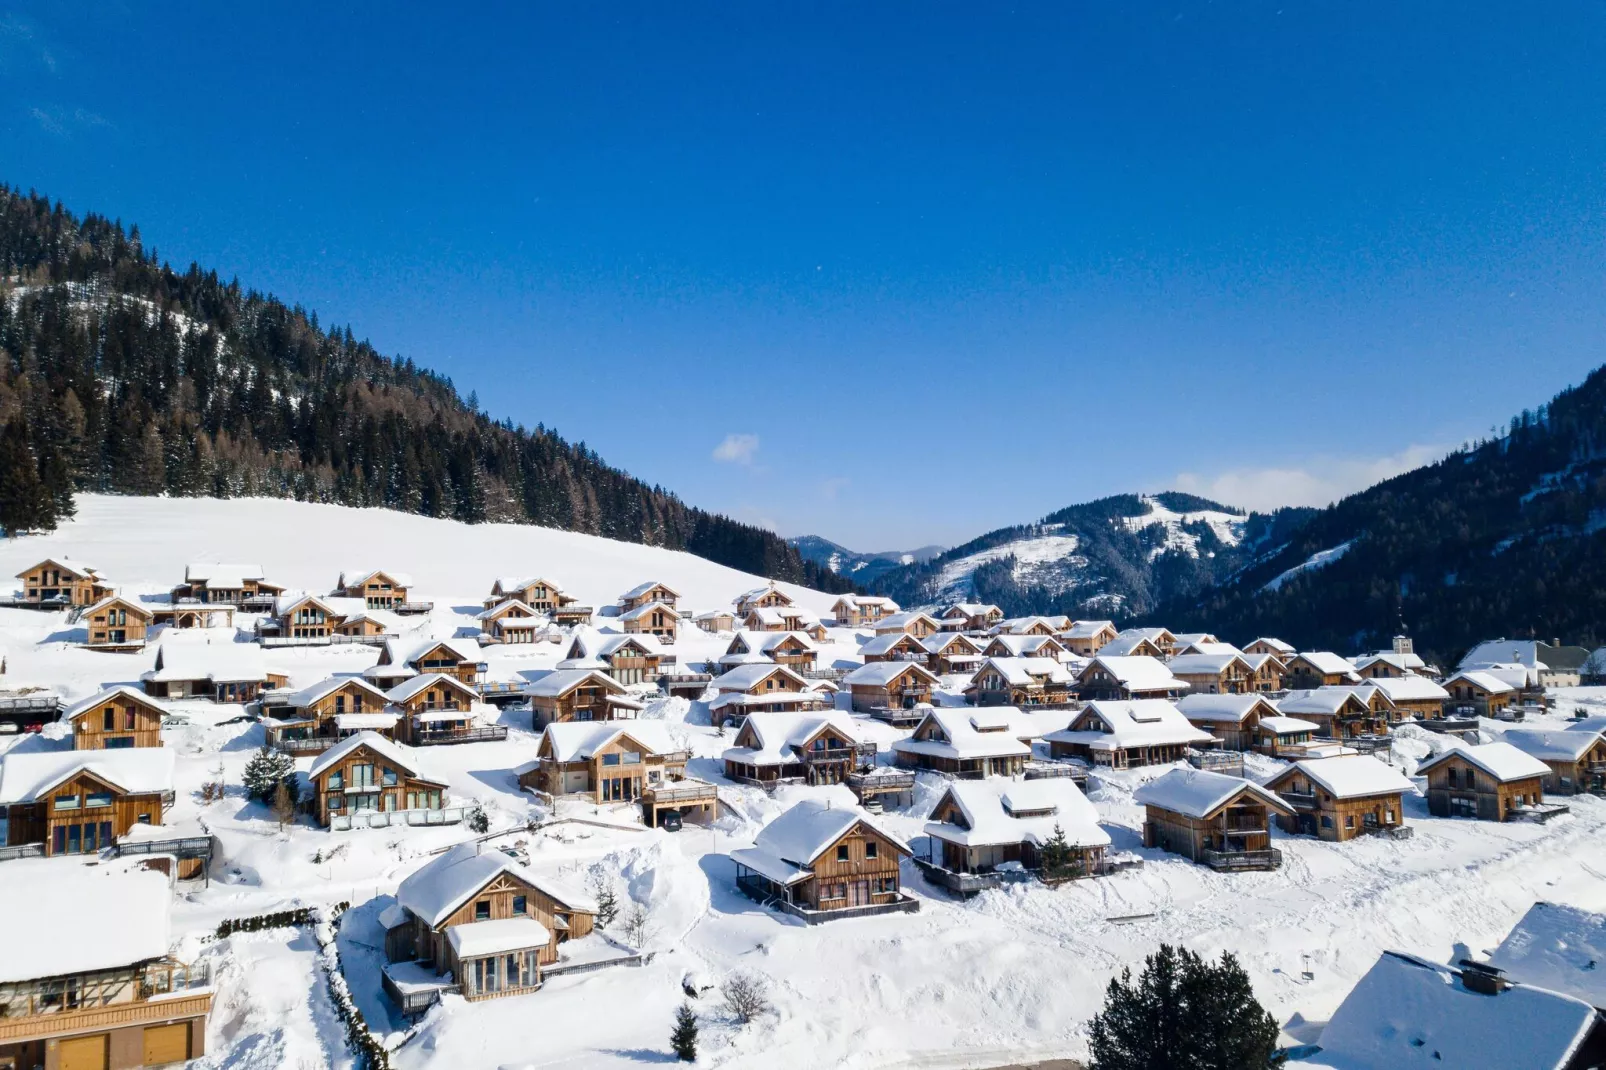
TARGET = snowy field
(1009,976)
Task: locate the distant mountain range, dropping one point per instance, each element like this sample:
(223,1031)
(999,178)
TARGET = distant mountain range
(862,569)
(1117,557)
(1505,538)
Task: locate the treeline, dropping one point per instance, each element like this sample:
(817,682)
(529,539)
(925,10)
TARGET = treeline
(120,375)
(1504,538)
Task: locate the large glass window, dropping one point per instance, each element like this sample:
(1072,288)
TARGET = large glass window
(65,802)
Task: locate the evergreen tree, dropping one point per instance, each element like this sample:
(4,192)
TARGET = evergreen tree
(684,1038)
(25,504)
(267,769)
(1182,1011)
(1057,858)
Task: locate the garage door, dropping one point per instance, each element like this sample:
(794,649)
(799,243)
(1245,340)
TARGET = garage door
(84,1053)
(167,1043)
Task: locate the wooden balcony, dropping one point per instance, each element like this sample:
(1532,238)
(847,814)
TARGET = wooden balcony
(378,819)
(412,607)
(680,792)
(78,1003)
(490,733)
(1227,861)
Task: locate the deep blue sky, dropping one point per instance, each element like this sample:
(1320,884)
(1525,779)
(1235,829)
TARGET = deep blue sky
(953,267)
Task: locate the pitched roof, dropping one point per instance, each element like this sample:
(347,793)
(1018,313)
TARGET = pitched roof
(1557,947)
(1324,701)
(560,682)
(1486,681)
(1137,673)
(1410,689)
(1557,746)
(1276,644)
(747,677)
(1327,662)
(409,688)
(802,833)
(27,777)
(387,749)
(1410,1014)
(1002,811)
(1224,709)
(222,577)
(115,598)
(881,673)
(133,694)
(1123,645)
(885,644)
(70,564)
(651,607)
(1020,672)
(70,929)
(573,741)
(1203,664)
(1351,776)
(777,735)
(963,735)
(505,606)
(323,688)
(1147,722)
(181,656)
(356,577)
(1200,793)
(642,588)
(446,882)
(1502,761)
(1087,629)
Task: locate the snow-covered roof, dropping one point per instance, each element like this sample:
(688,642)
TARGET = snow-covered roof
(1223,708)
(405,652)
(1087,629)
(1558,947)
(80,918)
(1410,689)
(1550,744)
(1408,662)
(1523,652)
(963,735)
(1502,761)
(478,939)
(560,682)
(1484,680)
(359,722)
(1328,663)
(1215,646)
(881,673)
(28,777)
(1026,645)
(777,735)
(1200,793)
(902,621)
(1203,664)
(69,564)
(642,588)
(1325,701)
(1123,645)
(1352,776)
(1138,673)
(802,833)
(1288,726)
(747,677)
(222,577)
(1146,722)
(123,691)
(356,577)
(505,606)
(287,601)
(1410,1014)
(651,607)
(715,614)
(323,688)
(1002,811)
(423,681)
(385,748)
(116,599)
(192,656)
(941,642)
(768,641)
(884,644)
(1020,672)
(575,741)
(446,882)
(1275,644)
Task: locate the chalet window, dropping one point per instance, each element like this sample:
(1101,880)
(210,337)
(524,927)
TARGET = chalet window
(842,853)
(1327,822)
(870,849)
(109,720)
(99,798)
(482,910)
(1450,777)
(632,757)
(610,759)
(362,775)
(337,802)
(66,802)
(390,778)
(337,781)
(1349,821)
(520,906)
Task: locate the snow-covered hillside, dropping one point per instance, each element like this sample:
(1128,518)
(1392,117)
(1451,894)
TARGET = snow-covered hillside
(1007,977)
(1228,528)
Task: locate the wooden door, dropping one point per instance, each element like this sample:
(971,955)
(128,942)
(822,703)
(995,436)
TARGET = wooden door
(83,1053)
(858,893)
(167,1043)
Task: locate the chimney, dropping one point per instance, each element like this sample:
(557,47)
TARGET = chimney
(1482,978)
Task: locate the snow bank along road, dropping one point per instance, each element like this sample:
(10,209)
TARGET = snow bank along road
(1010,976)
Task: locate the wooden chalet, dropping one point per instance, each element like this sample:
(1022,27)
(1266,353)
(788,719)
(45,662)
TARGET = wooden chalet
(402,659)
(618,763)
(715,621)
(1276,647)
(766,597)
(981,829)
(1266,672)
(1023,626)
(798,747)
(1025,646)
(1013,681)
(646,594)
(510,622)
(1490,781)
(191,615)
(188,666)
(1479,692)
(63,581)
(820,862)
(654,618)
(914,622)
(1575,758)
(762,686)
(783,619)
(475,921)
(1163,639)
(1129,645)
(1389,664)
(81,801)
(1132,677)
(889,685)
(630,659)
(237,585)
(1342,797)
(1338,712)
(1412,697)
(966,742)
(436,708)
(116,719)
(952,652)
(1319,669)
(379,589)
(793,649)
(305,616)
(315,718)
(116,624)
(1213,674)
(1223,822)
(976,617)
(1234,720)
(1123,734)
(860,611)
(893,646)
(1085,638)
(579,695)
(539,594)
(366,780)
(87,983)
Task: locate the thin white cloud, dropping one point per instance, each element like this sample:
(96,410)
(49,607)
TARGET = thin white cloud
(1320,481)
(737,449)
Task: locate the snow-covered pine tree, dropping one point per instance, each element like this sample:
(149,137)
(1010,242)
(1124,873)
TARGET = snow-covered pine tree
(684,1038)
(266,769)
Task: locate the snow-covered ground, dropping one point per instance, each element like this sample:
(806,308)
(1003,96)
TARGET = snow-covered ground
(1010,975)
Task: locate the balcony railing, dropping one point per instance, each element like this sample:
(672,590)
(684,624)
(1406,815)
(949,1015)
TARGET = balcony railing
(479,734)
(412,607)
(1271,858)
(303,747)
(1299,800)
(679,791)
(48,1005)
(378,819)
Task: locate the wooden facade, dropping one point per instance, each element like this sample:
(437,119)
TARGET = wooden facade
(83,814)
(67,582)
(118,719)
(652,619)
(117,623)
(647,594)
(1267,671)
(364,778)
(827,755)
(904,690)
(584,696)
(1086,641)
(1485,699)
(621,770)
(1233,834)
(904,647)
(1321,813)
(762,598)
(378,589)
(858,867)
(225,584)
(1317,670)
(511,622)
(438,705)
(141,1014)
(1458,787)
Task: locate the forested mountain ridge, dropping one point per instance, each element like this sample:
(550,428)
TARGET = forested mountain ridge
(1116,557)
(1505,538)
(119,374)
